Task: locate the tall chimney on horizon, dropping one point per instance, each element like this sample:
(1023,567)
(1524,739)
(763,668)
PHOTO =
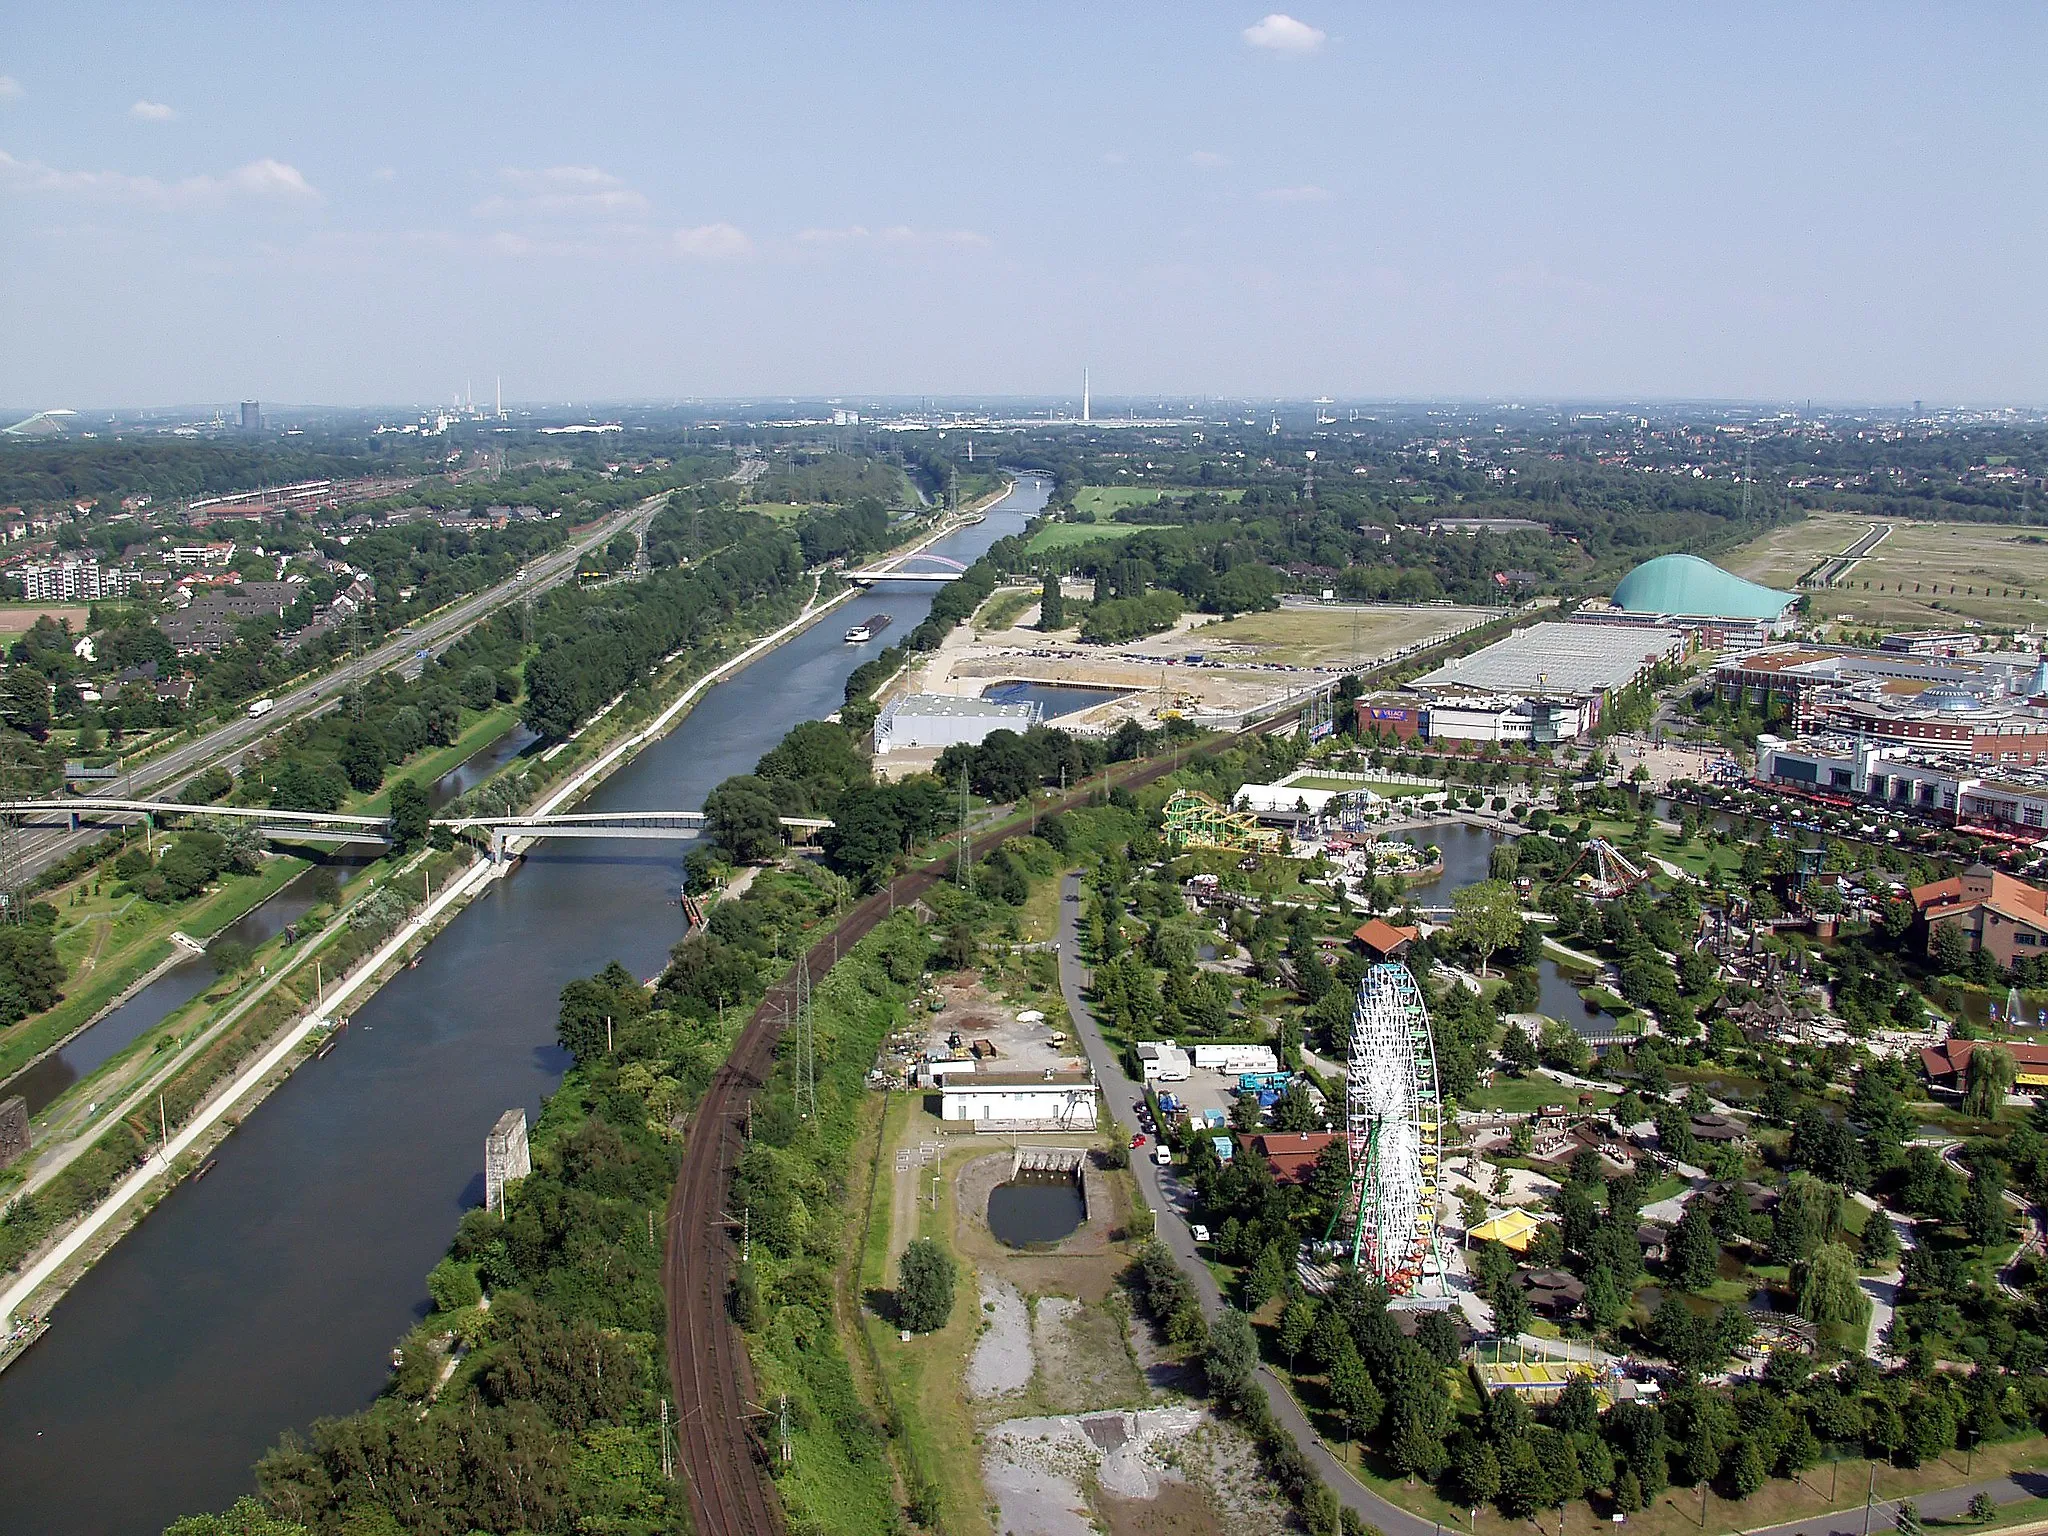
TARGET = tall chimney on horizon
(1085,416)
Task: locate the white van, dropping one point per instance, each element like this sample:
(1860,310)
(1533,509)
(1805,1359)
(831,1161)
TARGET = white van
(261,708)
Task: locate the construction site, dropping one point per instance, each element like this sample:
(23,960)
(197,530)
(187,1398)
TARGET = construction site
(1216,672)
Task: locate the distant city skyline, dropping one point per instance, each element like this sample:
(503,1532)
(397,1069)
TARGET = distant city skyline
(1395,202)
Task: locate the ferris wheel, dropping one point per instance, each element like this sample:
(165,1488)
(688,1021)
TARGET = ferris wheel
(1393,1128)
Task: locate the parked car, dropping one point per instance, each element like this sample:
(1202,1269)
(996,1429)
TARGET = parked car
(1198,1232)
(1138,1140)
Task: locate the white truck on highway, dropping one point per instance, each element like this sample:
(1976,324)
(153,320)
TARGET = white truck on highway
(261,708)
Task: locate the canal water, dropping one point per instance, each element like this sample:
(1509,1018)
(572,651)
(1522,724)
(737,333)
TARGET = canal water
(271,1292)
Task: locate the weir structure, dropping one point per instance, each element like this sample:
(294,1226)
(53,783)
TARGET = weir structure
(1393,1129)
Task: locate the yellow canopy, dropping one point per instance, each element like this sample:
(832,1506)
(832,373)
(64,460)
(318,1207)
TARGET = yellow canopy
(1511,1228)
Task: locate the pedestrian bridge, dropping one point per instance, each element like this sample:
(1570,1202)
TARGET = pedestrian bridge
(338,827)
(898,569)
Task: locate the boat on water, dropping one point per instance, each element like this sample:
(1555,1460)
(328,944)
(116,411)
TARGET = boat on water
(867,629)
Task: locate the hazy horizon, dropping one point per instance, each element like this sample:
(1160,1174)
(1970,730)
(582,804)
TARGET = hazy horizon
(1391,204)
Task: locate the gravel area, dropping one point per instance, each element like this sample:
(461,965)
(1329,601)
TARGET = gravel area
(1035,1469)
(1003,1359)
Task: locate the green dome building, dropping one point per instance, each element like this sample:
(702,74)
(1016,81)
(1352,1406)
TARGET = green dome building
(1687,587)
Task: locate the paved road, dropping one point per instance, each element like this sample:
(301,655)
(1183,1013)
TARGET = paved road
(1126,1095)
(165,773)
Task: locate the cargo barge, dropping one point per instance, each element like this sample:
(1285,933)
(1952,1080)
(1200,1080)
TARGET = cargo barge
(867,629)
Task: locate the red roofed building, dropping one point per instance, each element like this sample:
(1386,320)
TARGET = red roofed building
(1290,1155)
(1382,938)
(2006,918)
(1947,1065)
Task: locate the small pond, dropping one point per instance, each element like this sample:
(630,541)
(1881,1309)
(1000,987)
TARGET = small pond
(1055,699)
(1028,1211)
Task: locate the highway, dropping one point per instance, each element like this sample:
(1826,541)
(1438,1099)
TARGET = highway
(432,635)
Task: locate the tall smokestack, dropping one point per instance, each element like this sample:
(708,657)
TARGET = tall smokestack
(1085,416)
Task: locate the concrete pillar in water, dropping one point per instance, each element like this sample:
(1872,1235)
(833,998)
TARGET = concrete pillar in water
(505,1157)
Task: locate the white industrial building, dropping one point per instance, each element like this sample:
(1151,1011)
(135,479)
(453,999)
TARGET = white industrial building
(1235,1057)
(1493,717)
(1163,1062)
(1059,1098)
(941,720)
(1544,684)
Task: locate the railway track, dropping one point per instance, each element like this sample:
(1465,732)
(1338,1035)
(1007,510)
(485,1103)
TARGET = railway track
(722,1456)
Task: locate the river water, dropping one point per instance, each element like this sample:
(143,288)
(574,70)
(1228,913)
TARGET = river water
(271,1292)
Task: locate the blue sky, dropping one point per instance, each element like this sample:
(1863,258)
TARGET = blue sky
(355,204)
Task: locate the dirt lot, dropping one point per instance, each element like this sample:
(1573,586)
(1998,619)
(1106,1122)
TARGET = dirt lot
(1990,558)
(1326,636)
(19,618)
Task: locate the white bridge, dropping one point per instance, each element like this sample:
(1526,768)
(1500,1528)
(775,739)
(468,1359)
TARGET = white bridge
(339,827)
(894,570)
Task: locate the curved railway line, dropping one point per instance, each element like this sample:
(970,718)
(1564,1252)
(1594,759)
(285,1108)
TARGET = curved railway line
(724,1461)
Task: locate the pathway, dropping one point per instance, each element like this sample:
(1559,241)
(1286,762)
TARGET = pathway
(1165,1196)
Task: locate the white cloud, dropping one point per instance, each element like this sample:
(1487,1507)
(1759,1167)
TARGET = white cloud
(266,180)
(1306,194)
(153,112)
(10,88)
(712,242)
(1208,160)
(1283,34)
(893,236)
(561,191)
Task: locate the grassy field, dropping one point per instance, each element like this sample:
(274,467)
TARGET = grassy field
(20,618)
(1992,559)
(1107,500)
(1526,1095)
(1312,636)
(1067,535)
(108,942)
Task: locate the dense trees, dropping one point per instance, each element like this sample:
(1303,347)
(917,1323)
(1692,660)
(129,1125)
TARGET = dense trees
(924,1286)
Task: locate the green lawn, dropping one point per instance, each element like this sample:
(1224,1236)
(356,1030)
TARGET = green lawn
(1067,535)
(1526,1095)
(135,938)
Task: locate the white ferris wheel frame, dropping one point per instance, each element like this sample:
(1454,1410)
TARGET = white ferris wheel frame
(1394,1133)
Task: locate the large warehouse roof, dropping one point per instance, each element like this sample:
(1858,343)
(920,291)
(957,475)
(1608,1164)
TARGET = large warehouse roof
(1553,659)
(1689,587)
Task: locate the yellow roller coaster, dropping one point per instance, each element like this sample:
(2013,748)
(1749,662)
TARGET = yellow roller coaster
(1193,820)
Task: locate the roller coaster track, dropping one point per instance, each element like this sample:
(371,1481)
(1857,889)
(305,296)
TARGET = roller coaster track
(724,1459)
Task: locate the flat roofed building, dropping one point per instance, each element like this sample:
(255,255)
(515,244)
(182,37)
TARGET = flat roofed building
(1064,1099)
(1554,661)
(941,720)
